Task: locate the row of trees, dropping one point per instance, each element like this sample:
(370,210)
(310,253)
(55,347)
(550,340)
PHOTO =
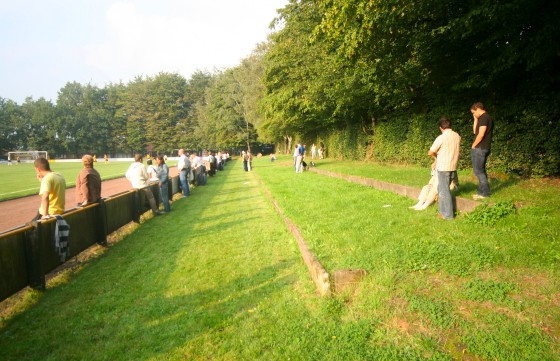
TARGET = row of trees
(149,114)
(367,78)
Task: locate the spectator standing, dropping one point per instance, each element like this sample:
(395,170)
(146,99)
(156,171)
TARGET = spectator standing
(88,183)
(52,191)
(313,151)
(249,161)
(299,158)
(163,176)
(198,170)
(483,127)
(138,177)
(212,163)
(322,151)
(244,159)
(184,167)
(445,151)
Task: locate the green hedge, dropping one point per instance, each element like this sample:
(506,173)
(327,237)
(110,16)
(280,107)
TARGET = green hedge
(526,138)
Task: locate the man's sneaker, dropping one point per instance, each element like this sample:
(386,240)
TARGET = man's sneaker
(478,197)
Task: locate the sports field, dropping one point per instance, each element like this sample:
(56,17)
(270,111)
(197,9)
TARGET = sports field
(20,180)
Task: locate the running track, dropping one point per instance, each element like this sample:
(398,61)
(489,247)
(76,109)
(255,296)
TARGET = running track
(17,212)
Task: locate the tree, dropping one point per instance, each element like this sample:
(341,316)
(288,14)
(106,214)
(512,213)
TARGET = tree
(40,124)
(11,132)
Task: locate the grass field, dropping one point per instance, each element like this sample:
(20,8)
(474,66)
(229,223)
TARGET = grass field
(21,180)
(220,278)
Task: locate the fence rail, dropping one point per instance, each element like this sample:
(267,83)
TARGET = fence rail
(28,253)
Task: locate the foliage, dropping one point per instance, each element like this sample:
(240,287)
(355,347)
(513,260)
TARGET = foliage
(393,68)
(488,290)
(490,214)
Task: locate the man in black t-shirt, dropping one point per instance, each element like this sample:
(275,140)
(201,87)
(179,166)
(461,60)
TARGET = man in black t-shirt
(483,128)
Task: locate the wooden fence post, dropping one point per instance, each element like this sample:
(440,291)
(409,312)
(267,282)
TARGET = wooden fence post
(136,206)
(35,276)
(102,227)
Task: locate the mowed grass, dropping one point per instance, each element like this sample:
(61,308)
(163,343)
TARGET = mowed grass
(21,180)
(220,278)
(491,292)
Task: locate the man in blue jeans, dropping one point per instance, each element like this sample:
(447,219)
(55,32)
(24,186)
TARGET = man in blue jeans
(184,167)
(483,128)
(445,151)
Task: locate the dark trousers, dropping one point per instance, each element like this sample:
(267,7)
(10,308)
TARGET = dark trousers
(479,157)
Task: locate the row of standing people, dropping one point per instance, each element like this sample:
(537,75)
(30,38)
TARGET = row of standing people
(444,150)
(88,183)
(187,167)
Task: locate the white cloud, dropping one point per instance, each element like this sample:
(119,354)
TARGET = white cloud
(48,44)
(193,36)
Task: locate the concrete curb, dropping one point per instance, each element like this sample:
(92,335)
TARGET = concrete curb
(318,273)
(463,204)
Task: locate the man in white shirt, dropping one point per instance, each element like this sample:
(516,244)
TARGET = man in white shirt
(445,151)
(138,177)
(184,167)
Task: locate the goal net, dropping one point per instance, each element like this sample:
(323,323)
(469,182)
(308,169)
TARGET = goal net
(28,156)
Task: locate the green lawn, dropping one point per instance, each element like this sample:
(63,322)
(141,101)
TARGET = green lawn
(21,180)
(220,278)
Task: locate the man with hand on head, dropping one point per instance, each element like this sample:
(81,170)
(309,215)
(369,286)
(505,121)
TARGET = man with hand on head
(483,127)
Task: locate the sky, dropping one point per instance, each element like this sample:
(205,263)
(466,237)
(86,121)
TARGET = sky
(45,44)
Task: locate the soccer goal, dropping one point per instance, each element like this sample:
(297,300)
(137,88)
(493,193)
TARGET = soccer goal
(28,156)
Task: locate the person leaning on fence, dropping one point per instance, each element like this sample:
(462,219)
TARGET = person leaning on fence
(138,177)
(184,167)
(52,191)
(88,183)
(163,176)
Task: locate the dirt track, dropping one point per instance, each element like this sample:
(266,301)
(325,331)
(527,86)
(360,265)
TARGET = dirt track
(16,212)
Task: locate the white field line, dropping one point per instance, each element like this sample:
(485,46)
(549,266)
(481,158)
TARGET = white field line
(20,191)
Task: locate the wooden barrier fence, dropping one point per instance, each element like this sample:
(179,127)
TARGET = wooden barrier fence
(28,253)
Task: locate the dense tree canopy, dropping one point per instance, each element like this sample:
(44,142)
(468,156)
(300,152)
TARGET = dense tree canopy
(374,74)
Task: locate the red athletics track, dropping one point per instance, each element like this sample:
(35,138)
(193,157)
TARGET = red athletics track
(17,212)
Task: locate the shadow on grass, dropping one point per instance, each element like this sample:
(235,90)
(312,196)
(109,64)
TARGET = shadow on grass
(467,189)
(165,285)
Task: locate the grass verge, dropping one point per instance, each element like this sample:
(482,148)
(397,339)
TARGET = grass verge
(220,278)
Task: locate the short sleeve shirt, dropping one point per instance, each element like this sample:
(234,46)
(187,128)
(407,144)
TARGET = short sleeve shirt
(55,184)
(487,121)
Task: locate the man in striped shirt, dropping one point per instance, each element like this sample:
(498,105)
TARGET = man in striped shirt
(445,151)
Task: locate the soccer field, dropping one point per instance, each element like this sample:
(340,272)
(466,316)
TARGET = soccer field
(21,180)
